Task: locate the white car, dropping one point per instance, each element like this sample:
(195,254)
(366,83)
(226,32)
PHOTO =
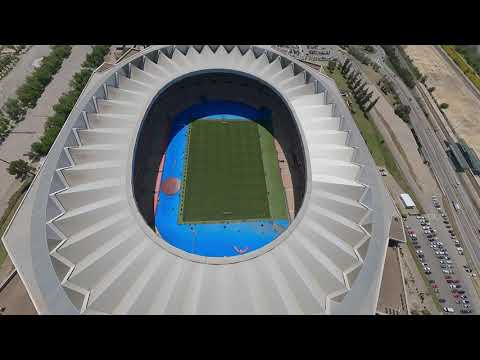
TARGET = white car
(442,262)
(449,309)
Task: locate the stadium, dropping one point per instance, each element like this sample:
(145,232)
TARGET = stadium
(205,179)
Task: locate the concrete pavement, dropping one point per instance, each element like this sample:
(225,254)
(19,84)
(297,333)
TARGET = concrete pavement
(15,299)
(16,145)
(16,77)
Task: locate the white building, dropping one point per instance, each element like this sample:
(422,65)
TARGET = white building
(407,201)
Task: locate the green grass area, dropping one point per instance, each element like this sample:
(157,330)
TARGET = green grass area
(13,204)
(462,64)
(224,178)
(378,149)
(275,192)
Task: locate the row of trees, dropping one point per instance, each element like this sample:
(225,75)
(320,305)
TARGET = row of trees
(358,86)
(403,72)
(29,93)
(412,66)
(358,54)
(66,102)
(471,54)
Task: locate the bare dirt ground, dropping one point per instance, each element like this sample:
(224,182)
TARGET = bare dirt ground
(392,298)
(449,88)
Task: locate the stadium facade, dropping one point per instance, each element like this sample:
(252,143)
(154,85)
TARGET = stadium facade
(83,241)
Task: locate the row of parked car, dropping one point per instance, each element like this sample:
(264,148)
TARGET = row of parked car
(445,262)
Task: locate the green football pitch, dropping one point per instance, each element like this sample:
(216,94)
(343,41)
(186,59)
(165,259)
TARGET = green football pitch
(231,173)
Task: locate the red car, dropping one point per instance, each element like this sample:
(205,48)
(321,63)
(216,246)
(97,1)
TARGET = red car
(456,296)
(434,286)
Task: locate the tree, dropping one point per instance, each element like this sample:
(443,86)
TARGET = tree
(403,112)
(351,76)
(354,79)
(331,65)
(20,169)
(369,48)
(360,89)
(443,106)
(363,100)
(14,110)
(357,83)
(95,58)
(344,70)
(80,79)
(372,104)
(347,70)
(431,89)
(423,79)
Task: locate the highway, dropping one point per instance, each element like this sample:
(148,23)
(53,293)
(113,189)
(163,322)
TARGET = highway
(466,219)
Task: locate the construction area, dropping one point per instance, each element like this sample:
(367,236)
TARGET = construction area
(463,103)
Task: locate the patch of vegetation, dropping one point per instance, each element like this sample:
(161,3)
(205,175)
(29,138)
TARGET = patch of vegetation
(20,169)
(403,111)
(29,93)
(358,54)
(404,73)
(418,75)
(470,72)
(376,144)
(66,102)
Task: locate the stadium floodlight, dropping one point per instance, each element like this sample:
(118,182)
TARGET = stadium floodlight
(81,243)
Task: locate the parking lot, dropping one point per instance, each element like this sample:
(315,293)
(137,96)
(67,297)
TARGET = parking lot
(442,260)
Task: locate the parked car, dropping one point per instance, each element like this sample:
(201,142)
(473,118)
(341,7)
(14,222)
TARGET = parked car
(448,309)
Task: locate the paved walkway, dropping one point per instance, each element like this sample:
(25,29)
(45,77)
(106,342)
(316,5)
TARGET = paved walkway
(16,77)
(15,299)
(16,145)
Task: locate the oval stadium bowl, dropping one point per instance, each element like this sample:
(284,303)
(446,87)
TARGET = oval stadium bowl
(87,238)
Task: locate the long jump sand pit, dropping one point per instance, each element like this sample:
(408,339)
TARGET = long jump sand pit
(464,107)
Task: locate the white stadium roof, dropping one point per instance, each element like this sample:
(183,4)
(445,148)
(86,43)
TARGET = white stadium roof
(80,244)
